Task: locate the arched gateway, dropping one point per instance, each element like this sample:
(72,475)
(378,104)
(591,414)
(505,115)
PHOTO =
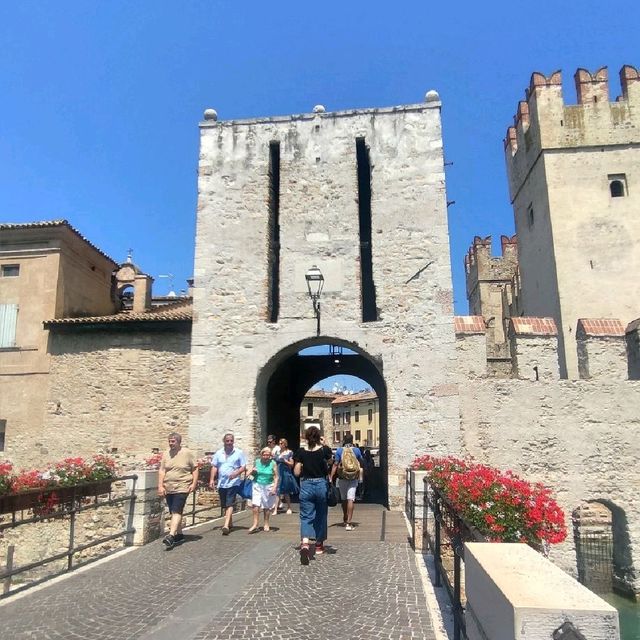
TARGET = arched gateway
(359,195)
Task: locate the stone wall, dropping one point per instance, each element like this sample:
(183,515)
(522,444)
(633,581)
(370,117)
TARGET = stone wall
(412,342)
(112,390)
(577,437)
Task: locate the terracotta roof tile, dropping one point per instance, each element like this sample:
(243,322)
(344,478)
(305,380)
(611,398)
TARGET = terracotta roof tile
(355,397)
(523,326)
(7,226)
(600,327)
(319,393)
(469,324)
(161,315)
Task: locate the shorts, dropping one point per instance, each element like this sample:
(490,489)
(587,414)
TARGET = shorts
(228,495)
(262,496)
(176,502)
(347,488)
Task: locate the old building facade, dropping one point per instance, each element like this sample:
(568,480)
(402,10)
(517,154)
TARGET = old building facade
(361,195)
(575,190)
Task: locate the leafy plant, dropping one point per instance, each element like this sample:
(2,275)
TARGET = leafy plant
(499,504)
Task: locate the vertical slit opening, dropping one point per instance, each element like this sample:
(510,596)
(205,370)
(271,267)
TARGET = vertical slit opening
(273,302)
(367,286)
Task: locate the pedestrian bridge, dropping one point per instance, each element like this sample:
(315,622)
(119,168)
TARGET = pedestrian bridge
(240,587)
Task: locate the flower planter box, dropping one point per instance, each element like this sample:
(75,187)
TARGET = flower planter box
(64,495)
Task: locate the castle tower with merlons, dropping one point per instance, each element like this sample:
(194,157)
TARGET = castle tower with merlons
(574,181)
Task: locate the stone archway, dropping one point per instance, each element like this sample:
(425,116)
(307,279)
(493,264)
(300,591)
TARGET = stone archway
(283,381)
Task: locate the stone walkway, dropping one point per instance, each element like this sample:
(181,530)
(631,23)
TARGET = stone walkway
(240,586)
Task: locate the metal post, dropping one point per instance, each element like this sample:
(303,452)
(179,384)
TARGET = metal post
(9,568)
(132,512)
(412,489)
(193,508)
(437,554)
(72,531)
(457,607)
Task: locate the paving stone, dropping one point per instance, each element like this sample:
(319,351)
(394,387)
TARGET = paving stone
(197,588)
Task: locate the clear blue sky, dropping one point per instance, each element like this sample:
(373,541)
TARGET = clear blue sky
(100,101)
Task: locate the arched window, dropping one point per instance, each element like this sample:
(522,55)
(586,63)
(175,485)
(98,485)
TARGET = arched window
(616,187)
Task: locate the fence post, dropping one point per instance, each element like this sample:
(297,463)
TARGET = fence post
(9,568)
(437,554)
(147,518)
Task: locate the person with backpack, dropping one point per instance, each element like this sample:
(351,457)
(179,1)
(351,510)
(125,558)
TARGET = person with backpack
(347,465)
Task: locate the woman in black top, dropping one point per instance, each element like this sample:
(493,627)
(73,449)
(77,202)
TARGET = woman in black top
(312,469)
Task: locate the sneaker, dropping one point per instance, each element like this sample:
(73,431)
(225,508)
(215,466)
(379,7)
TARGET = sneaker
(179,537)
(349,527)
(319,549)
(289,512)
(169,541)
(225,531)
(304,554)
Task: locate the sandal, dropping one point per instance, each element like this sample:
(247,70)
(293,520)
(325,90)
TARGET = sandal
(253,530)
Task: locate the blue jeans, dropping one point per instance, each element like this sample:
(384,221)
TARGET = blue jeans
(313,509)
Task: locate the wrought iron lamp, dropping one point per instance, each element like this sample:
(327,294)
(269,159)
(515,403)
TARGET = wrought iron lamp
(315,284)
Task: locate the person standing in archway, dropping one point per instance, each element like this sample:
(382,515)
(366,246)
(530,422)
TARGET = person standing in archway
(228,464)
(311,467)
(348,466)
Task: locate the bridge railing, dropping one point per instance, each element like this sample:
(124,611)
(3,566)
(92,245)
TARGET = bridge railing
(436,527)
(63,521)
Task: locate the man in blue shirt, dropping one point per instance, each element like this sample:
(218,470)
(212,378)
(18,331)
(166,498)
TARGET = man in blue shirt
(348,478)
(228,464)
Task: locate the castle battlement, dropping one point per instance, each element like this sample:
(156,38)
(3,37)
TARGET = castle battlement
(607,350)
(543,122)
(482,267)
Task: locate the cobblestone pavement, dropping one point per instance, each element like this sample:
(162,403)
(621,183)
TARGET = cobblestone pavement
(240,586)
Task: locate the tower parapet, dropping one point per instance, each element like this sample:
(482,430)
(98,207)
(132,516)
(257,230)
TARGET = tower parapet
(482,267)
(544,122)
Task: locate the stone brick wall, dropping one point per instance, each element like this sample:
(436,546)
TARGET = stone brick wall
(232,341)
(111,390)
(575,436)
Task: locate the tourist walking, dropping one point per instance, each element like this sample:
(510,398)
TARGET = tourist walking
(227,465)
(311,467)
(275,452)
(177,478)
(287,485)
(347,465)
(265,488)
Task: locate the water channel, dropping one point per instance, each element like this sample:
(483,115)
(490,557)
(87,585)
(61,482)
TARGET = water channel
(629,613)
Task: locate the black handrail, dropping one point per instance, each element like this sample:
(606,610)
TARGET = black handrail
(75,502)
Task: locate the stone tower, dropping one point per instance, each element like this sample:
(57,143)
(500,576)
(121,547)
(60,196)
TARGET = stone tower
(361,195)
(489,279)
(574,181)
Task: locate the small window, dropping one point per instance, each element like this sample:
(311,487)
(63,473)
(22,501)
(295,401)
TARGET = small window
(310,408)
(347,417)
(357,436)
(336,418)
(356,416)
(10,270)
(3,429)
(370,415)
(336,436)
(530,215)
(8,323)
(617,185)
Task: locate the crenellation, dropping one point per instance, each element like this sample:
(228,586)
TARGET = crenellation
(601,349)
(592,87)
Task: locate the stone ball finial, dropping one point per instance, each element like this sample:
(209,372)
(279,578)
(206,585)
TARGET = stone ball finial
(432,96)
(319,108)
(210,114)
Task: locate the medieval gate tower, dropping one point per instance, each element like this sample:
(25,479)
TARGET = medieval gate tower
(361,195)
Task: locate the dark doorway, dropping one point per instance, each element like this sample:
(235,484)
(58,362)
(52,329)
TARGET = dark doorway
(285,379)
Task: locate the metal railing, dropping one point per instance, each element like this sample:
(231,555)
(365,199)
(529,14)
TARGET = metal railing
(445,533)
(76,501)
(193,511)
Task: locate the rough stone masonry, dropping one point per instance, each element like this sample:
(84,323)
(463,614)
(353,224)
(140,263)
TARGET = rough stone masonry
(278,195)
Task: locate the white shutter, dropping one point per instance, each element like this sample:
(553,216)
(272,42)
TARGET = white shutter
(8,323)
